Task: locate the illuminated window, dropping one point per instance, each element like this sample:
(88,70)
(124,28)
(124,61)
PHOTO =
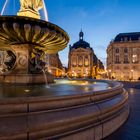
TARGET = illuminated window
(74,62)
(134,58)
(86,61)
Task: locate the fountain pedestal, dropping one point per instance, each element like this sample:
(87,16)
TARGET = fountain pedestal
(26,68)
(29,13)
(26,78)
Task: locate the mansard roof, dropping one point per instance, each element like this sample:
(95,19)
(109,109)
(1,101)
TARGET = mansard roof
(132,36)
(81,44)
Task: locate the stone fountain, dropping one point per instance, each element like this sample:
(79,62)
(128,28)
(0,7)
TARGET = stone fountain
(26,40)
(65,111)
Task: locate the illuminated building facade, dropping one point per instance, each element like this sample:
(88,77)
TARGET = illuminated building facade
(123,57)
(54,64)
(82,60)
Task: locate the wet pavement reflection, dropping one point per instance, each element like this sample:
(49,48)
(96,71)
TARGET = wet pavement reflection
(131,129)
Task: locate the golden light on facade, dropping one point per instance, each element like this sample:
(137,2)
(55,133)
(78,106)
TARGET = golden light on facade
(74,74)
(27,90)
(123,56)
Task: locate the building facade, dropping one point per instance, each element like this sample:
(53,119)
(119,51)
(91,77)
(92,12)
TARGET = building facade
(123,57)
(54,65)
(82,60)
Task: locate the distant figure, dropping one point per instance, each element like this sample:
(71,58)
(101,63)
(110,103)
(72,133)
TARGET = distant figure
(31,4)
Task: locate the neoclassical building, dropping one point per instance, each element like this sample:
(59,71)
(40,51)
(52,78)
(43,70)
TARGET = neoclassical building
(54,64)
(82,60)
(123,57)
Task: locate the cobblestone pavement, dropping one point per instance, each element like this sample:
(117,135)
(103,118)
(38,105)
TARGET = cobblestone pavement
(131,129)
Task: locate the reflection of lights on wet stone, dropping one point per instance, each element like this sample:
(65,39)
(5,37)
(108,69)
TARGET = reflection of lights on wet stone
(109,87)
(27,90)
(86,88)
(85,83)
(47,86)
(131,90)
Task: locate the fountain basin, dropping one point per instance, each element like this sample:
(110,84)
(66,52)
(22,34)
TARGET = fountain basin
(83,115)
(20,79)
(25,30)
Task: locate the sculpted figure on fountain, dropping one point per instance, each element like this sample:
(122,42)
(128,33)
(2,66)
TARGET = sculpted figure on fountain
(30,8)
(31,4)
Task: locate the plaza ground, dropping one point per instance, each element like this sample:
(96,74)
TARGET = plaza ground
(131,129)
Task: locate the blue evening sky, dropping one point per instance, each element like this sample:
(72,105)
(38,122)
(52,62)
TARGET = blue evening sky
(100,20)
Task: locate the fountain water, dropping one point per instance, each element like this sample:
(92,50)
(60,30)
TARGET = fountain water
(4,7)
(45,77)
(45,11)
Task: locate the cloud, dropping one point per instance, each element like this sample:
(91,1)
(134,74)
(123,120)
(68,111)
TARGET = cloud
(81,12)
(109,8)
(104,12)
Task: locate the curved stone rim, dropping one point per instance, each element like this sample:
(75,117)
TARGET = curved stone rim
(65,119)
(39,33)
